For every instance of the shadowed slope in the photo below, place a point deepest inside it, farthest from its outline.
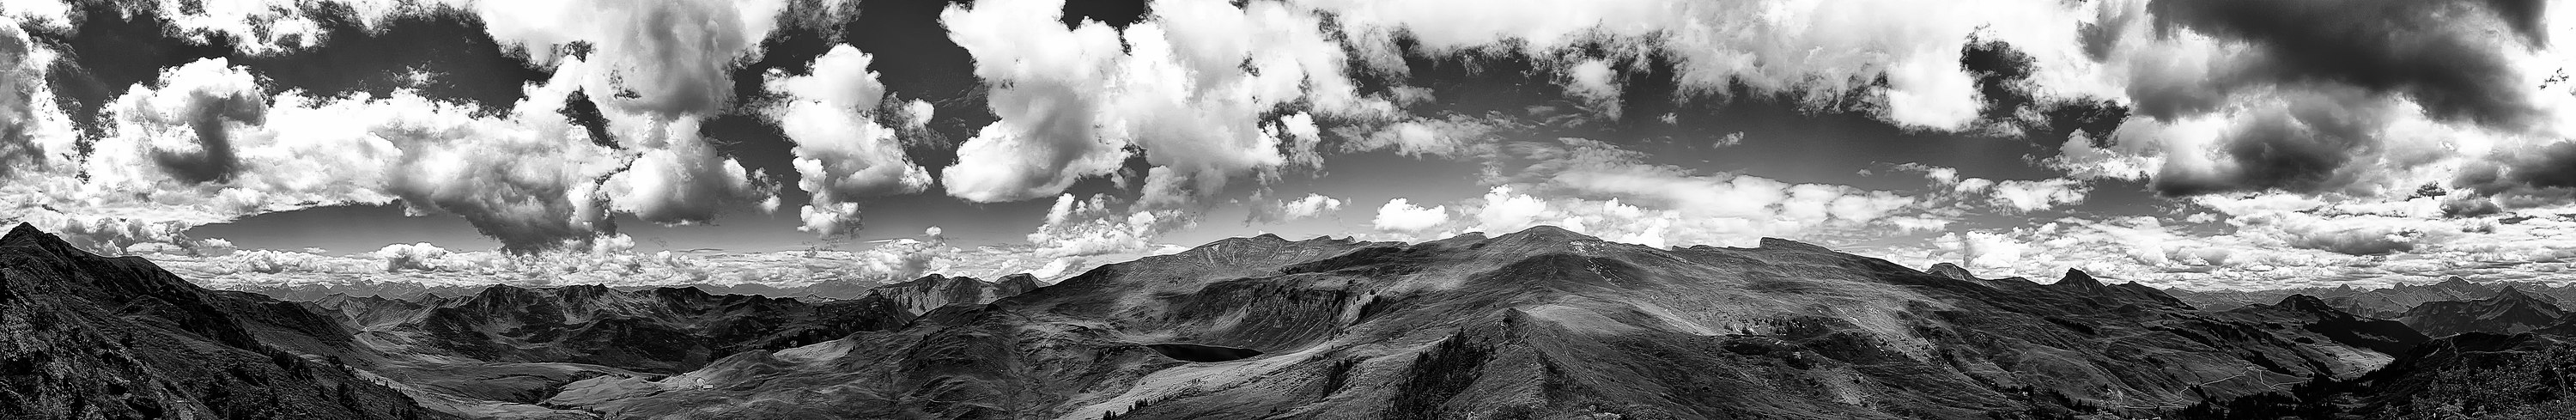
(83, 336)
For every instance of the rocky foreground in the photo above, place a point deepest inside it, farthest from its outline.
(1543, 323)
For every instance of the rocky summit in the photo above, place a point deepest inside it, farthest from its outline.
(1542, 323)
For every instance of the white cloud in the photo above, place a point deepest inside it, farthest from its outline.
(1594, 82)
(1188, 87)
(842, 152)
(419, 256)
(1078, 228)
(1310, 206)
(2026, 196)
(205, 144)
(672, 57)
(1401, 215)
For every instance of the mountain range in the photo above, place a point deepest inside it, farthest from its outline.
(1542, 323)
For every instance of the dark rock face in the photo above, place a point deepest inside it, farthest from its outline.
(1543, 323)
(83, 336)
(2510, 311)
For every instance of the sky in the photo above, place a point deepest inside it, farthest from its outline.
(2206, 144)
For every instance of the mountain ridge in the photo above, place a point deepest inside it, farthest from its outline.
(1542, 323)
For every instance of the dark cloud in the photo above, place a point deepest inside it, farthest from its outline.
(2307, 147)
(2554, 166)
(450, 51)
(2544, 175)
(209, 115)
(2002, 73)
(2014, 109)
(2447, 55)
(1116, 13)
(579, 108)
(526, 215)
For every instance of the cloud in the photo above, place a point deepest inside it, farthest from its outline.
(1191, 89)
(419, 256)
(684, 182)
(2008, 196)
(208, 142)
(2268, 241)
(664, 58)
(2305, 98)
(187, 122)
(33, 134)
(2452, 57)
(531, 181)
(1401, 215)
(1983, 249)
(1903, 60)
(1310, 206)
(1580, 176)
(843, 153)
(1450, 136)
(1090, 227)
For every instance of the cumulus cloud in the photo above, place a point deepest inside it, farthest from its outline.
(1401, 215)
(1189, 89)
(1089, 227)
(2301, 98)
(1310, 206)
(843, 152)
(32, 132)
(669, 58)
(419, 256)
(208, 142)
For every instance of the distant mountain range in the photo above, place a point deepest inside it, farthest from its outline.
(2388, 302)
(1543, 323)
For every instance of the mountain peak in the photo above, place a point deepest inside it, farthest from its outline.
(1952, 271)
(2303, 302)
(27, 234)
(2510, 293)
(2077, 277)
